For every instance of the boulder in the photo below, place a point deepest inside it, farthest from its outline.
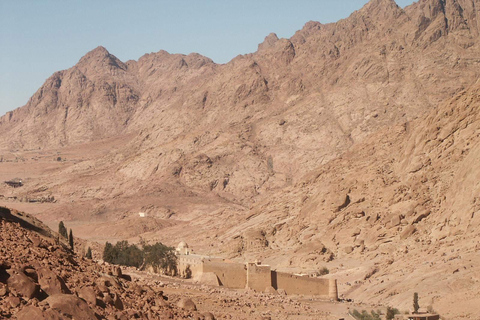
(407, 232)
(22, 285)
(187, 304)
(30, 272)
(208, 316)
(31, 312)
(71, 306)
(50, 282)
(348, 249)
(3, 289)
(13, 301)
(107, 281)
(88, 294)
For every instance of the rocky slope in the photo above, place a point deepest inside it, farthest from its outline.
(41, 279)
(349, 142)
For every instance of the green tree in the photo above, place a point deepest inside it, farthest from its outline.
(391, 312)
(160, 256)
(88, 255)
(416, 306)
(123, 253)
(62, 230)
(70, 239)
(108, 252)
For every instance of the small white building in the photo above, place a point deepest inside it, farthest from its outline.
(183, 249)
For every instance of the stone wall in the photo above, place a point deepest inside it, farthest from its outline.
(189, 266)
(259, 277)
(253, 276)
(293, 284)
(231, 275)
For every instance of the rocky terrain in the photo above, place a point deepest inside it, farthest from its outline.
(40, 278)
(351, 145)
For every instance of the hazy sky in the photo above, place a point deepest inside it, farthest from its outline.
(38, 38)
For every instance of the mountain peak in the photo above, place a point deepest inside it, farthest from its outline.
(100, 57)
(97, 52)
(380, 7)
(269, 41)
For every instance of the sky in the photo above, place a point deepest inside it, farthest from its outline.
(38, 38)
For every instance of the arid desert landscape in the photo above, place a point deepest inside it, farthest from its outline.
(348, 152)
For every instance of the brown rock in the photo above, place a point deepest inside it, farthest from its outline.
(13, 301)
(3, 289)
(30, 272)
(29, 313)
(187, 304)
(107, 281)
(88, 294)
(36, 241)
(395, 221)
(23, 285)
(71, 305)
(108, 299)
(32, 312)
(407, 232)
(161, 303)
(348, 249)
(50, 282)
(208, 316)
(422, 216)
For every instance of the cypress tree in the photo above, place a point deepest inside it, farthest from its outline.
(70, 239)
(416, 306)
(89, 253)
(62, 230)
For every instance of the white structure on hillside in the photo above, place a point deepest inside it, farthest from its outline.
(183, 249)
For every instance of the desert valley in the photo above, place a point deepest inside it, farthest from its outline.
(351, 147)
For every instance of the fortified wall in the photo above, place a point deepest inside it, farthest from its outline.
(217, 271)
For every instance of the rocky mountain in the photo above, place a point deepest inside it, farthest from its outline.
(350, 141)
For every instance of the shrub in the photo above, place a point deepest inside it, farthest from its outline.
(323, 271)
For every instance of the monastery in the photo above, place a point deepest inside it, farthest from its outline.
(222, 272)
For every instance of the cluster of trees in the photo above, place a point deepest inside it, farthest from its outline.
(364, 315)
(158, 256)
(62, 230)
